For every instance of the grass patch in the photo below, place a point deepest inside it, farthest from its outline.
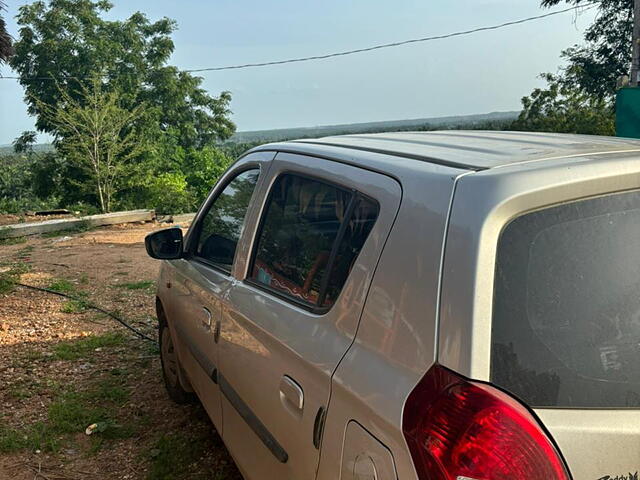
(10, 439)
(71, 413)
(35, 437)
(171, 456)
(13, 240)
(20, 393)
(74, 306)
(86, 346)
(137, 285)
(78, 304)
(7, 282)
(62, 285)
(24, 253)
(11, 275)
(74, 411)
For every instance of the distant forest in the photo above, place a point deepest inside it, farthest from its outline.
(488, 121)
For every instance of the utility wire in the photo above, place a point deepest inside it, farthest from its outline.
(394, 44)
(584, 7)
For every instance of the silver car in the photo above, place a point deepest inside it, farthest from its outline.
(433, 306)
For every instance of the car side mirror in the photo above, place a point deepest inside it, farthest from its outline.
(164, 244)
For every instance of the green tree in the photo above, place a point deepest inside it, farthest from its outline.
(580, 98)
(181, 183)
(5, 39)
(69, 41)
(62, 45)
(95, 134)
(606, 55)
(563, 108)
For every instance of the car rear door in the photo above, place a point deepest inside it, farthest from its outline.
(541, 297)
(293, 311)
(566, 328)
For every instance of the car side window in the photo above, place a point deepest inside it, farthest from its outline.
(220, 228)
(310, 236)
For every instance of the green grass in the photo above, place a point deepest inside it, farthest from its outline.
(24, 253)
(35, 437)
(74, 306)
(72, 412)
(171, 456)
(20, 393)
(10, 439)
(9, 277)
(86, 346)
(79, 304)
(62, 285)
(137, 285)
(13, 240)
(7, 282)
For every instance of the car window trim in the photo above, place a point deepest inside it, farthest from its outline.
(324, 284)
(191, 251)
(288, 298)
(208, 263)
(316, 308)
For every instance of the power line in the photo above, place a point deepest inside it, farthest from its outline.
(584, 7)
(394, 44)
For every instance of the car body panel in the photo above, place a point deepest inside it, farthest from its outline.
(265, 338)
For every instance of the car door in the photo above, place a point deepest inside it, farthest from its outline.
(203, 277)
(294, 309)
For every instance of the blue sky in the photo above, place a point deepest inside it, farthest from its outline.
(481, 73)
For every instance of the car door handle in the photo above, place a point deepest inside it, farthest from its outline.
(291, 392)
(206, 319)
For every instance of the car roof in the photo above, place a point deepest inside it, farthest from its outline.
(475, 150)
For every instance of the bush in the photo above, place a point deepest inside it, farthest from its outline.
(168, 193)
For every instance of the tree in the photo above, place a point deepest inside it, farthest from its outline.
(95, 133)
(68, 41)
(564, 108)
(580, 98)
(63, 44)
(596, 66)
(5, 39)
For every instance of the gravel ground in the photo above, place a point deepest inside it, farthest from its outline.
(64, 367)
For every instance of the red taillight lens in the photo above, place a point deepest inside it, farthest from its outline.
(458, 429)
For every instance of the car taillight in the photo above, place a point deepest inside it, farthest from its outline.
(458, 429)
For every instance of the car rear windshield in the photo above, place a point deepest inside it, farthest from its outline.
(566, 321)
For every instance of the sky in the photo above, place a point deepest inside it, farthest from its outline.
(480, 73)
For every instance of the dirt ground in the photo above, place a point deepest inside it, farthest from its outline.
(64, 367)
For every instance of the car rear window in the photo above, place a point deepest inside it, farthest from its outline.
(566, 321)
